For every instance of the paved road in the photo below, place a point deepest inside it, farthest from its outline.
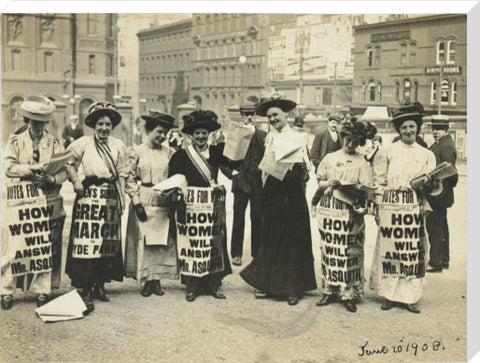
(242, 329)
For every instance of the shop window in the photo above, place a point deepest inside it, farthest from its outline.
(454, 93)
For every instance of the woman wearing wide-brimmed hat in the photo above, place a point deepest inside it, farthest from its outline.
(199, 163)
(283, 267)
(94, 252)
(346, 165)
(150, 253)
(395, 166)
(24, 161)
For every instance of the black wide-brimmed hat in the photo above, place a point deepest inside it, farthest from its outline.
(409, 111)
(37, 108)
(275, 101)
(357, 128)
(204, 119)
(103, 108)
(159, 118)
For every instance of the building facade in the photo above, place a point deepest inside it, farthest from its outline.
(165, 66)
(417, 59)
(229, 63)
(128, 52)
(69, 58)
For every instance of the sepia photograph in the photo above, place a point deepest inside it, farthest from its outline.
(247, 185)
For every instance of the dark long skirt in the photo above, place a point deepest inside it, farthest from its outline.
(284, 263)
(85, 272)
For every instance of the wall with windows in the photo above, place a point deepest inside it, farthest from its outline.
(417, 59)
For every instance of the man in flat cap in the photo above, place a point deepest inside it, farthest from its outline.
(326, 141)
(247, 186)
(437, 224)
(72, 131)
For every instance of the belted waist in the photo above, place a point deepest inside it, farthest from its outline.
(94, 180)
(147, 185)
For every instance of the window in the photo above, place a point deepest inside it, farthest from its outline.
(110, 25)
(406, 90)
(413, 53)
(109, 65)
(47, 61)
(440, 52)
(363, 90)
(371, 90)
(397, 91)
(91, 64)
(451, 51)
(377, 55)
(433, 93)
(415, 91)
(327, 96)
(91, 24)
(445, 90)
(16, 60)
(379, 91)
(403, 53)
(370, 57)
(454, 93)
(123, 62)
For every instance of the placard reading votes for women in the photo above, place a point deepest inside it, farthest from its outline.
(29, 221)
(96, 229)
(341, 241)
(402, 235)
(201, 231)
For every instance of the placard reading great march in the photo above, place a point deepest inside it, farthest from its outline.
(29, 221)
(402, 235)
(96, 224)
(342, 236)
(201, 231)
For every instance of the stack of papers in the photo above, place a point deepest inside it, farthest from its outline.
(69, 306)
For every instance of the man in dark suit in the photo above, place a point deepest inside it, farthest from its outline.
(247, 185)
(436, 223)
(72, 131)
(326, 142)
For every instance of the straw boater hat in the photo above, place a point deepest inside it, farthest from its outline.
(440, 122)
(247, 107)
(275, 101)
(37, 108)
(362, 129)
(335, 117)
(204, 119)
(159, 118)
(99, 109)
(409, 111)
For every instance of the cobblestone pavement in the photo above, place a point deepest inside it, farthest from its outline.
(242, 329)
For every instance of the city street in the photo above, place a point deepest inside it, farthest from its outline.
(243, 329)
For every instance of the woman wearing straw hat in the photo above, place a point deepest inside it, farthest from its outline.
(150, 254)
(344, 165)
(24, 161)
(199, 163)
(94, 251)
(399, 281)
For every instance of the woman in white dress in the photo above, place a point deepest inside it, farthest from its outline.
(344, 165)
(394, 167)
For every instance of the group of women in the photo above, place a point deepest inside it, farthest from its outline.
(284, 265)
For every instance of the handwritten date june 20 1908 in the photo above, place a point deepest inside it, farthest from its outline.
(403, 347)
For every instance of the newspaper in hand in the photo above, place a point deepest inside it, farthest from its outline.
(57, 162)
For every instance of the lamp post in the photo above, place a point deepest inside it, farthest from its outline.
(242, 60)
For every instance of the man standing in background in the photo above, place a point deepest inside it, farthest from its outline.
(247, 186)
(326, 142)
(72, 131)
(437, 224)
